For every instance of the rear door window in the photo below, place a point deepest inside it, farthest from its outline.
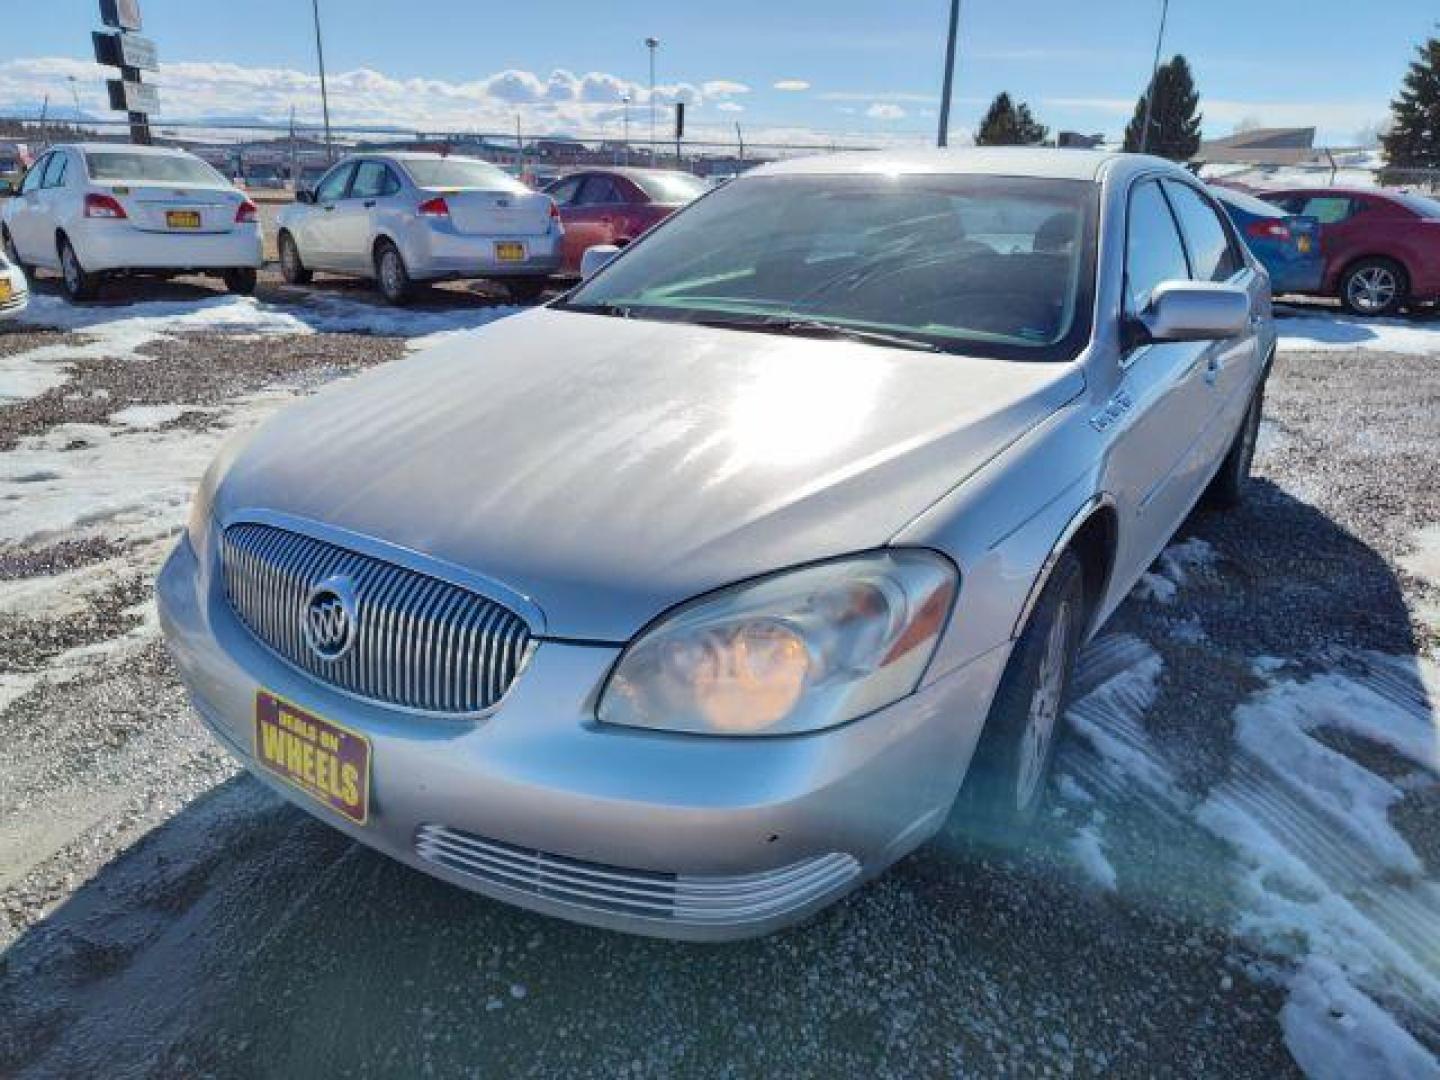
(598, 191)
(1212, 258)
(1328, 209)
(1153, 251)
(564, 191)
(373, 179)
(36, 174)
(55, 171)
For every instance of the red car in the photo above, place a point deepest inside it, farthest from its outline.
(1382, 248)
(614, 206)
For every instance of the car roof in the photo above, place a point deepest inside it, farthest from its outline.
(128, 148)
(1343, 192)
(1046, 162)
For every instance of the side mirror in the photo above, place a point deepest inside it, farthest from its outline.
(1194, 311)
(595, 258)
(305, 195)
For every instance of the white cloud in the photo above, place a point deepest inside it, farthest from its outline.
(791, 84)
(882, 110)
(730, 106)
(720, 88)
(884, 95)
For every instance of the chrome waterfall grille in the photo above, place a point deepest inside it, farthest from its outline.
(411, 640)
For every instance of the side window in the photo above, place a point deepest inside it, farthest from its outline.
(1206, 239)
(55, 173)
(335, 182)
(1153, 252)
(598, 191)
(1329, 209)
(564, 191)
(35, 175)
(370, 180)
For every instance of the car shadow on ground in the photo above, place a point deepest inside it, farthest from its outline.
(243, 937)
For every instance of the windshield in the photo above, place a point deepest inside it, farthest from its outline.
(671, 187)
(984, 265)
(120, 167)
(460, 173)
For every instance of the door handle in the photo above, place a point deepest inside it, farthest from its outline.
(328, 208)
(1212, 369)
(369, 203)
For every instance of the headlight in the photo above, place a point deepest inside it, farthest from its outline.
(800, 651)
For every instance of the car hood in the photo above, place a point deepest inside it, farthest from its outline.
(609, 468)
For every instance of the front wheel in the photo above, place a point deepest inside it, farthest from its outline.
(78, 283)
(241, 280)
(1010, 772)
(391, 274)
(1374, 287)
(11, 251)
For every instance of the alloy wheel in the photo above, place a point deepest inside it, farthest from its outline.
(1372, 289)
(1044, 710)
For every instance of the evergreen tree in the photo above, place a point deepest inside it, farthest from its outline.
(1009, 124)
(1174, 123)
(1413, 141)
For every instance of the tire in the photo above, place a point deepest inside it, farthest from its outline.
(241, 280)
(526, 290)
(78, 283)
(291, 268)
(391, 275)
(1228, 489)
(12, 253)
(1008, 776)
(1374, 287)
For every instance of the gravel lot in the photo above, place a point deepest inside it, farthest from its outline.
(163, 914)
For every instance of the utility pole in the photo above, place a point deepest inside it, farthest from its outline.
(949, 82)
(740, 139)
(652, 44)
(625, 100)
(1154, 70)
(324, 93)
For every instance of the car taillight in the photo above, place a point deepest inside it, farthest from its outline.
(246, 213)
(436, 207)
(103, 206)
(1268, 229)
(554, 210)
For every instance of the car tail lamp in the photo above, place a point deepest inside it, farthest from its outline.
(1268, 229)
(246, 213)
(434, 208)
(103, 206)
(554, 211)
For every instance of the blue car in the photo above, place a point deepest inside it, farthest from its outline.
(1287, 245)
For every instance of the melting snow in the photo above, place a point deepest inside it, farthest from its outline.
(1326, 333)
(1173, 569)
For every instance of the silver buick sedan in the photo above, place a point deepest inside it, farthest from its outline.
(692, 600)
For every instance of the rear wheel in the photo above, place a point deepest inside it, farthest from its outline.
(1374, 286)
(390, 273)
(291, 268)
(1009, 775)
(1231, 483)
(79, 284)
(526, 290)
(241, 280)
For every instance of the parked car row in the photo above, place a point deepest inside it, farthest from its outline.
(1375, 251)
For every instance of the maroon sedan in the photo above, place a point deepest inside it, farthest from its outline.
(614, 206)
(1382, 248)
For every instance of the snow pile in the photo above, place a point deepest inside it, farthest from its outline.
(1332, 333)
(1174, 568)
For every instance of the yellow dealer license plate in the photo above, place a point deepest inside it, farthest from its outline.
(4, 290)
(510, 252)
(1303, 245)
(325, 760)
(182, 219)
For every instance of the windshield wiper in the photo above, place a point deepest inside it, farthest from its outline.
(785, 324)
(618, 311)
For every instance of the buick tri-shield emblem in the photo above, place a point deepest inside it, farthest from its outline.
(330, 627)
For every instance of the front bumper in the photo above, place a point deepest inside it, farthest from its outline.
(538, 805)
(117, 245)
(19, 296)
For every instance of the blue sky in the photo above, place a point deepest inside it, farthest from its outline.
(869, 70)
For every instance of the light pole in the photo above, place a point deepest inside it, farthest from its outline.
(324, 95)
(75, 95)
(652, 44)
(1154, 70)
(625, 101)
(944, 136)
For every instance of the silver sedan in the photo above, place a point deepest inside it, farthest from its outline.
(407, 217)
(689, 602)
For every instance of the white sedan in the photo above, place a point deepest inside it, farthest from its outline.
(13, 292)
(402, 218)
(94, 209)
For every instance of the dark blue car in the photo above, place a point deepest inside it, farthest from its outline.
(1287, 245)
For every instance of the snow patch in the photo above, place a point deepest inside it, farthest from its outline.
(1331, 333)
(1175, 566)
(1424, 558)
(1085, 847)
(146, 416)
